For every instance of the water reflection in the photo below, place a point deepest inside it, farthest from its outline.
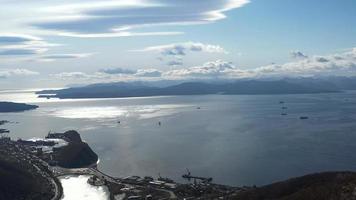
(113, 112)
(30, 96)
(238, 140)
(76, 187)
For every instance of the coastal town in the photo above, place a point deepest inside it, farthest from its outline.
(43, 158)
(21, 158)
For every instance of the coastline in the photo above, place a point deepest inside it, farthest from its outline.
(199, 187)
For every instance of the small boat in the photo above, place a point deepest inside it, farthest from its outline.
(284, 107)
(284, 114)
(198, 108)
(159, 123)
(281, 102)
(303, 117)
(119, 122)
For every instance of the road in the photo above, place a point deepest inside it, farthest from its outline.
(93, 171)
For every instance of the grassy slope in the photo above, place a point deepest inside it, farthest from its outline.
(18, 183)
(320, 186)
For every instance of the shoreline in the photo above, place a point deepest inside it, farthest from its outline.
(165, 188)
(128, 186)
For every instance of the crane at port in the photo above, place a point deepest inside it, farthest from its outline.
(189, 176)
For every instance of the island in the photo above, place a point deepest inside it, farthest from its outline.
(6, 107)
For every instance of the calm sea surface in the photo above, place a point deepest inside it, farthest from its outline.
(237, 140)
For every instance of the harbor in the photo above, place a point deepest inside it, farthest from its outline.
(41, 155)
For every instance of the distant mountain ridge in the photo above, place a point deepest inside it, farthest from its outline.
(250, 87)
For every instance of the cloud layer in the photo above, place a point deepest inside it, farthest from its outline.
(107, 18)
(19, 45)
(14, 45)
(343, 64)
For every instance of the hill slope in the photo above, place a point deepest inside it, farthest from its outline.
(320, 186)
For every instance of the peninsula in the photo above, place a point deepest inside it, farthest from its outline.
(6, 107)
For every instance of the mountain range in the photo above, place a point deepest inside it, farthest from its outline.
(250, 87)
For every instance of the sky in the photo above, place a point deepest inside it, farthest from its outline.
(55, 43)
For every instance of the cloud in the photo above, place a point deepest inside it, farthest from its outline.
(109, 18)
(181, 49)
(74, 76)
(175, 63)
(321, 59)
(148, 73)
(214, 69)
(22, 45)
(107, 75)
(16, 39)
(298, 55)
(6, 73)
(53, 57)
(343, 64)
(178, 50)
(119, 34)
(19, 52)
(118, 71)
